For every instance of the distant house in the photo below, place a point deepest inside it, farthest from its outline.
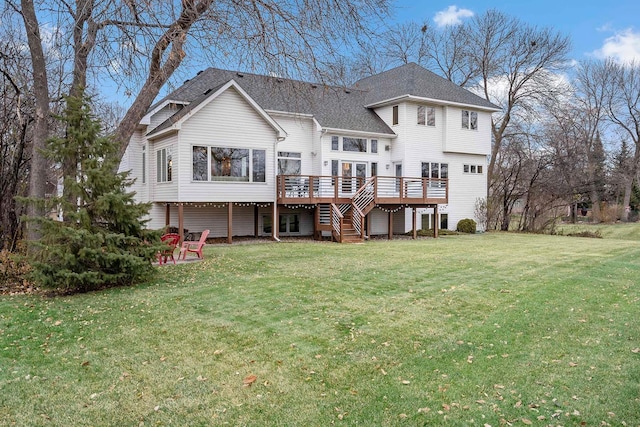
(250, 155)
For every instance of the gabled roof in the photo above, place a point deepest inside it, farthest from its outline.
(415, 82)
(332, 107)
(176, 120)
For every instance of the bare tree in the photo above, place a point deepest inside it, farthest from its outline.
(451, 54)
(517, 63)
(623, 110)
(139, 45)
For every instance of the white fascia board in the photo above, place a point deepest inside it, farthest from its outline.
(430, 101)
(360, 133)
(146, 120)
(290, 114)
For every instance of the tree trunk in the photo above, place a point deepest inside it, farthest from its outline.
(39, 164)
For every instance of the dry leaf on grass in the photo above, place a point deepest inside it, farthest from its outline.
(249, 380)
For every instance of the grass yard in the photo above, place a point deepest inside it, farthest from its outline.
(493, 329)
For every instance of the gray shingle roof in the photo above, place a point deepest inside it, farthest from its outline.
(412, 79)
(333, 107)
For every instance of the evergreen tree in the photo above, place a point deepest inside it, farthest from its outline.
(102, 240)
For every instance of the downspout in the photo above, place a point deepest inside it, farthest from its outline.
(275, 198)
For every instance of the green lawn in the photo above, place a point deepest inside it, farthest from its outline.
(493, 329)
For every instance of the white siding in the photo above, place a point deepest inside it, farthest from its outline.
(162, 115)
(459, 140)
(299, 140)
(382, 157)
(163, 191)
(227, 121)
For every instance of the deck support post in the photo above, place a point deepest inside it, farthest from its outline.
(435, 221)
(229, 223)
(255, 221)
(167, 214)
(317, 234)
(390, 237)
(181, 221)
(274, 222)
(415, 223)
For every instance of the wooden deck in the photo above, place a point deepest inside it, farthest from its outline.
(383, 190)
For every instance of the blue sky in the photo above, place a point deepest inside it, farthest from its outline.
(596, 28)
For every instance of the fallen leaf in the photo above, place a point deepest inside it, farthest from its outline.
(446, 407)
(85, 363)
(636, 350)
(424, 410)
(383, 372)
(58, 323)
(403, 416)
(518, 404)
(406, 382)
(249, 380)
(157, 408)
(470, 359)
(201, 378)
(217, 352)
(526, 421)
(480, 402)
(573, 364)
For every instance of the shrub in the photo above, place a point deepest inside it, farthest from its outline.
(466, 225)
(14, 271)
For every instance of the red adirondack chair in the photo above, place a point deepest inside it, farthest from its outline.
(195, 247)
(171, 240)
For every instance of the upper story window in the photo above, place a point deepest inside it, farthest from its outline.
(228, 164)
(335, 143)
(469, 120)
(395, 115)
(435, 170)
(426, 115)
(164, 165)
(289, 163)
(475, 169)
(354, 144)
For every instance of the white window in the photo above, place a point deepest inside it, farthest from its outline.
(469, 120)
(354, 144)
(289, 163)
(228, 164)
(335, 143)
(426, 115)
(473, 169)
(435, 170)
(374, 146)
(164, 165)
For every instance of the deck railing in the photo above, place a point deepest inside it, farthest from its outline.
(337, 189)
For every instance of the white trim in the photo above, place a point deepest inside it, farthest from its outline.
(348, 132)
(414, 98)
(146, 119)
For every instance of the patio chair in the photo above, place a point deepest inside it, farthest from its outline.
(195, 247)
(171, 240)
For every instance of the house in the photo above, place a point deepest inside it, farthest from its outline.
(243, 154)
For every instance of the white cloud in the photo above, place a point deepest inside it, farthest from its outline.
(452, 15)
(623, 46)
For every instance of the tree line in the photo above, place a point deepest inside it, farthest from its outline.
(567, 135)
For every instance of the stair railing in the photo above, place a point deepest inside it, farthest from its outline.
(337, 222)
